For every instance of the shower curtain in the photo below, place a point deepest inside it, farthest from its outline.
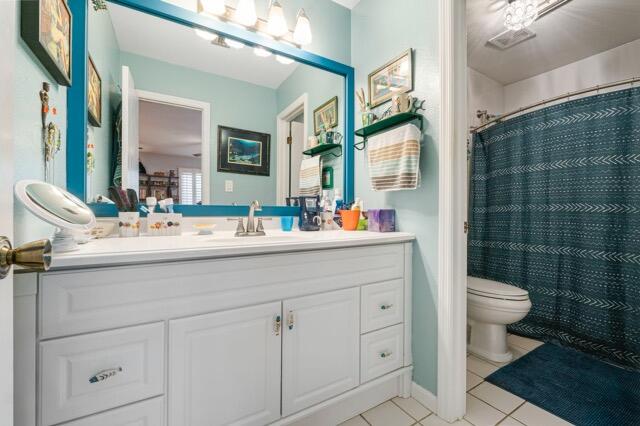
(555, 209)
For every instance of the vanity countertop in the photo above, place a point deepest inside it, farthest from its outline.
(189, 246)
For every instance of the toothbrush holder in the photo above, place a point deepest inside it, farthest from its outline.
(129, 224)
(164, 224)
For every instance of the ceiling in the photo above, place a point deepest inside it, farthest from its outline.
(577, 30)
(349, 4)
(166, 41)
(171, 130)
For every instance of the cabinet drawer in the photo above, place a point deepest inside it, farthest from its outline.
(382, 305)
(381, 352)
(86, 374)
(147, 413)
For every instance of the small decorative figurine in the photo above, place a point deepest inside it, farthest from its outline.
(99, 5)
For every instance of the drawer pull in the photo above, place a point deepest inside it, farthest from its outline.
(386, 354)
(277, 325)
(385, 307)
(104, 375)
(290, 320)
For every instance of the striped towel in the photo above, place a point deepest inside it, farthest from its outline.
(310, 170)
(394, 159)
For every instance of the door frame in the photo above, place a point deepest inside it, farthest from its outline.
(300, 105)
(205, 108)
(452, 211)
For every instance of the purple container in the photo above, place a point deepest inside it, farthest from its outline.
(382, 220)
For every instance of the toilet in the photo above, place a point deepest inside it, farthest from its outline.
(491, 306)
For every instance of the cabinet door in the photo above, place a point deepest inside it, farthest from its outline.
(224, 368)
(320, 348)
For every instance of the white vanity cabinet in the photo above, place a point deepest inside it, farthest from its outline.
(296, 337)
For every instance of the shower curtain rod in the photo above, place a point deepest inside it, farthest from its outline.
(556, 98)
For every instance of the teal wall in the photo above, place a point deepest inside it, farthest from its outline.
(28, 147)
(320, 86)
(234, 103)
(105, 52)
(379, 32)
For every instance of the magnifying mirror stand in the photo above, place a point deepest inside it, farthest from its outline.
(63, 241)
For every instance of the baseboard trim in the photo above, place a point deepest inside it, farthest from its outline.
(424, 397)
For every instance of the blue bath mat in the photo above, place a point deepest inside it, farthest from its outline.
(574, 386)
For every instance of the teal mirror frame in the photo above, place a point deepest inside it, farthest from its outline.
(77, 99)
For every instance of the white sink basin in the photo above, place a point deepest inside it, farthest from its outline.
(265, 239)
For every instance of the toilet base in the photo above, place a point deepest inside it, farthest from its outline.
(489, 341)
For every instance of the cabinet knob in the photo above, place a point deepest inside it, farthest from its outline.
(290, 320)
(384, 307)
(277, 325)
(386, 354)
(104, 375)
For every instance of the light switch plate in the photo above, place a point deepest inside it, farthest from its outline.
(228, 186)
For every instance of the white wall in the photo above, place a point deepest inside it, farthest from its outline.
(620, 63)
(163, 163)
(483, 93)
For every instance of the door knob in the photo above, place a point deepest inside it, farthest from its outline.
(35, 255)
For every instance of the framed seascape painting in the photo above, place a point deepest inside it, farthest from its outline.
(326, 114)
(243, 151)
(94, 94)
(394, 77)
(45, 26)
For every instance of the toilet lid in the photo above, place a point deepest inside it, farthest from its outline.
(494, 289)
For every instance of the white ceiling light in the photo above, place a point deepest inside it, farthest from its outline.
(209, 36)
(212, 7)
(276, 23)
(520, 14)
(246, 13)
(234, 44)
(262, 52)
(302, 33)
(284, 60)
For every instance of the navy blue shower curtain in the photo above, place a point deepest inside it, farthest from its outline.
(555, 209)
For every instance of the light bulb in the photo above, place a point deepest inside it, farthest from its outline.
(213, 7)
(234, 44)
(284, 60)
(277, 24)
(302, 34)
(262, 52)
(520, 14)
(207, 35)
(246, 13)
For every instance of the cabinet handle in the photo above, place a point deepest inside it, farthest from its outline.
(104, 375)
(290, 320)
(386, 354)
(277, 325)
(384, 307)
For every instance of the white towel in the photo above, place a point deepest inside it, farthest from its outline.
(394, 159)
(310, 174)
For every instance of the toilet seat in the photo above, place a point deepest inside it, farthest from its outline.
(495, 290)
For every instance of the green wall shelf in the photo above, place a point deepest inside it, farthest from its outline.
(324, 148)
(384, 125)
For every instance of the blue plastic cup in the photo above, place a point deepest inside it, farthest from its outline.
(286, 222)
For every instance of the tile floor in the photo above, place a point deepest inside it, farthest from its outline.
(487, 405)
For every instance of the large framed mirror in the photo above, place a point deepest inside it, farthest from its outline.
(212, 115)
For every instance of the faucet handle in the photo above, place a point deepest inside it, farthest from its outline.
(259, 227)
(240, 227)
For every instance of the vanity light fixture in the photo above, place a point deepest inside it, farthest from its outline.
(520, 14)
(246, 13)
(276, 22)
(213, 7)
(261, 52)
(302, 33)
(284, 60)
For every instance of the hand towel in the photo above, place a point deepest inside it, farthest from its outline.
(310, 173)
(394, 159)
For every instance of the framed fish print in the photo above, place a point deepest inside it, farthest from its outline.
(326, 114)
(394, 77)
(45, 26)
(94, 94)
(243, 151)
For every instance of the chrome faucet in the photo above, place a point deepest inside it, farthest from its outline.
(251, 225)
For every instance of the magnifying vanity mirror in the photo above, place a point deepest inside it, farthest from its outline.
(185, 113)
(57, 207)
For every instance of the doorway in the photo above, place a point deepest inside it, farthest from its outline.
(292, 125)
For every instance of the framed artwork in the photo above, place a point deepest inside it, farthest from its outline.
(327, 178)
(326, 114)
(394, 77)
(45, 26)
(243, 151)
(94, 94)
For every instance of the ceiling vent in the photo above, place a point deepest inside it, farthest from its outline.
(509, 38)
